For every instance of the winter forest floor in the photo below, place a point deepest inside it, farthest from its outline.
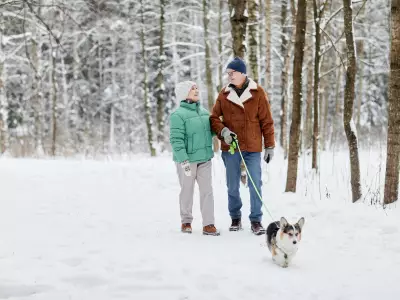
(80, 229)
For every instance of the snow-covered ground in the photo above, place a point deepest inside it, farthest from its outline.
(78, 229)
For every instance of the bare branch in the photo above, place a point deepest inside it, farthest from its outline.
(330, 71)
(333, 16)
(43, 22)
(341, 36)
(333, 45)
(26, 46)
(9, 2)
(341, 8)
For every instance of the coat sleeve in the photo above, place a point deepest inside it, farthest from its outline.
(177, 137)
(216, 124)
(266, 121)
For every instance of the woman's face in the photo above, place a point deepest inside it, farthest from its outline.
(193, 94)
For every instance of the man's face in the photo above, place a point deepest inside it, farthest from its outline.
(235, 77)
(193, 93)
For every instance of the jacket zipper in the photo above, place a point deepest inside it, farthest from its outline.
(201, 120)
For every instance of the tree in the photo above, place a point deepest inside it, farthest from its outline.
(348, 122)
(208, 61)
(253, 36)
(297, 96)
(3, 100)
(318, 14)
(268, 32)
(238, 18)
(147, 105)
(285, 48)
(393, 140)
(160, 91)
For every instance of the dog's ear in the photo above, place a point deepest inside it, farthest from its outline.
(283, 222)
(301, 223)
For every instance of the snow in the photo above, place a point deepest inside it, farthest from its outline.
(80, 229)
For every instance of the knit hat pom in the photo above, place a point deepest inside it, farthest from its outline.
(238, 65)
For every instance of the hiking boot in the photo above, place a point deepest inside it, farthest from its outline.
(236, 225)
(210, 230)
(257, 228)
(186, 227)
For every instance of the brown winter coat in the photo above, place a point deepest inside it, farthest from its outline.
(249, 116)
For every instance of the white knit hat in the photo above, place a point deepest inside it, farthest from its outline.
(182, 90)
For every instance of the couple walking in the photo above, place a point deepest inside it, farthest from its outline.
(241, 110)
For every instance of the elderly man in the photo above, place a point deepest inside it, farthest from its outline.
(242, 111)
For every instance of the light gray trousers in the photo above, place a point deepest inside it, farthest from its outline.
(202, 173)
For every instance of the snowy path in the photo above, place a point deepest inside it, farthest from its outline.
(110, 230)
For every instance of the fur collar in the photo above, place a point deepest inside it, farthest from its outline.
(244, 97)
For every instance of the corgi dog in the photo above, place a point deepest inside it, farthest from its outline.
(283, 240)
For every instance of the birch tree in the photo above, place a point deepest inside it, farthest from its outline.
(348, 122)
(160, 90)
(253, 38)
(147, 105)
(268, 43)
(391, 193)
(318, 14)
(208, 61)
(3, 98)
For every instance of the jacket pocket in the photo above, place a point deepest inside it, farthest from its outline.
(255, 130)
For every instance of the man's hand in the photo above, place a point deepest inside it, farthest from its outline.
(227, 135)
(186, 167)
(268, 154)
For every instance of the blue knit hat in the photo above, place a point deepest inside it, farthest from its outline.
(237, 64)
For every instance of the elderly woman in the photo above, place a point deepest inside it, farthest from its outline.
(191, 141)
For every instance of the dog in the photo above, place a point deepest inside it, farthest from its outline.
(283, 240)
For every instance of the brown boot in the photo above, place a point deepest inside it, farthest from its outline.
(210, 230)
(186, 227)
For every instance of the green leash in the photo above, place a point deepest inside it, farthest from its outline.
(235, 145)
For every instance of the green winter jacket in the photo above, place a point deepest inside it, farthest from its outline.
(190, 133)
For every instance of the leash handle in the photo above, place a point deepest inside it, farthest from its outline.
(234, 144)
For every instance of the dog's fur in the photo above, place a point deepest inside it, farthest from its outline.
(283, 240)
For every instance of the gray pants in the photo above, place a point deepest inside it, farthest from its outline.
(202, 173)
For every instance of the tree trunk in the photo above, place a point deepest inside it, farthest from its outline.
(253, 36)
(261, 31)
(111, 136)
(147, 105)
(297, 96)
(284, 77)
(54, 101)
(309, 110)
(3, 101)
(36, 86)
(238, 19)
(268, 31)
(318, 13)
(160, 90)
(335, 129)
(208, 61)
(307, 140)
(360, 55)
(220, 44)
(348, 122)
(391, 193)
